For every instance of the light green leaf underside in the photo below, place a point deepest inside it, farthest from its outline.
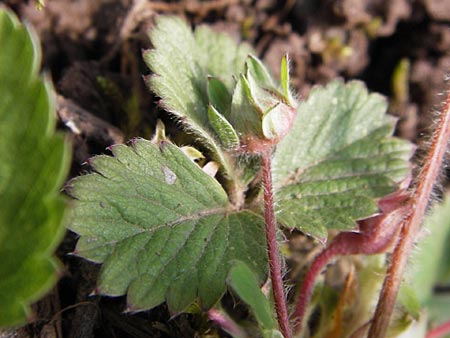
(161, 227)
(431, 259)
(337, 160)
(244, 282)
(33, 165)
(182, 61)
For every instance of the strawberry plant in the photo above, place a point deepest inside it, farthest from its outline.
(181, 223)
(34, 164)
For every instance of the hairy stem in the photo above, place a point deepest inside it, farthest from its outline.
(376, 236)
(411, 225)
(272, 247)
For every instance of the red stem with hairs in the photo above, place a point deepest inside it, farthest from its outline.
(410, 227)
(272, 248)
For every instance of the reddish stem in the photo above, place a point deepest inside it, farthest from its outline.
(376, 236)
(440, 331)
(411, 226)
(272, 248)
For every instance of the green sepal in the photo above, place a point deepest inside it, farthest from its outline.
(219, 96)
(223, 129)
(277, 122)
(284, 80)
(259, 72)
(244, 115)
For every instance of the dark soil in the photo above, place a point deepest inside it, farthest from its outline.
(92, 50)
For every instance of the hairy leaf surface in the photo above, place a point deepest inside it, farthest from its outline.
(33, 166)
(182, 61)
(162, 228)
(337, 160)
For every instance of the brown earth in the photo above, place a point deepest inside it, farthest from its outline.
(92, 49)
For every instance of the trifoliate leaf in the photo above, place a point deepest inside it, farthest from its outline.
(244, 282)
(337, 160)
(162, 228)
(33, 166)
(182, 62)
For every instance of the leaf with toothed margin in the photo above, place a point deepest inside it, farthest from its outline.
(33, 165)
(163, 229)
(181, 62)
(338, 159)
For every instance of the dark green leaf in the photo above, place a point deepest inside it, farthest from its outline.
(162, 228)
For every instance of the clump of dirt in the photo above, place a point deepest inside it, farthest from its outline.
(92, 49)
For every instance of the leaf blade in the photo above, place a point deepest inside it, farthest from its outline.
(33, 166)
(182, 61)
(344, 158)
(171, 240)
(243, 282)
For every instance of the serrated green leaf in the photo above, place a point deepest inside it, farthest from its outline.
(244, 282)
(222, 57)
(162, 227)
(337, 160)
(223, 128)
(182, 62)
(33, 166)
